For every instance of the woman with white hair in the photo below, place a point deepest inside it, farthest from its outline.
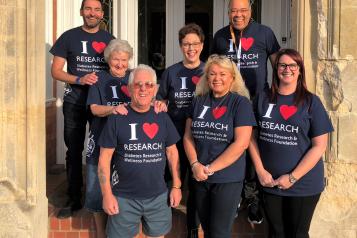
(217, 133)
(105, 98)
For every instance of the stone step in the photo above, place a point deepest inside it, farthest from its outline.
(81, 225)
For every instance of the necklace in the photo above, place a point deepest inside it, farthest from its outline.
(220, 99)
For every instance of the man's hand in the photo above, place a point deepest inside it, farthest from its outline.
(121, 109)
(110, 204)
(175, 197)
(88, 79)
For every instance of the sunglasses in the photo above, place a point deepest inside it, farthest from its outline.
(139, 85)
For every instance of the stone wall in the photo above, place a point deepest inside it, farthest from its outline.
(23, 202)
(327, 37)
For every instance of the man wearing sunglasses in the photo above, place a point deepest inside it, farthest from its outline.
(249, 44)
(134, 150)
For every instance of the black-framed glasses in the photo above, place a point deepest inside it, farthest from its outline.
(292, 67)
(148, 84)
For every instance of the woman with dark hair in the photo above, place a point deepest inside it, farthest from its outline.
(177, 88)
(291, 138)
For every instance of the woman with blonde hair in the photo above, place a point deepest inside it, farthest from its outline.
(217, 133)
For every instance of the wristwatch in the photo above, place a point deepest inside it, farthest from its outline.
(292, 179)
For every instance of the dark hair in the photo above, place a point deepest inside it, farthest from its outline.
(83, 1)
(302, 94)
(191, 28)
(251, 2)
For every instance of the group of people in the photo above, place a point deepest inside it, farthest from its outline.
(218, 123)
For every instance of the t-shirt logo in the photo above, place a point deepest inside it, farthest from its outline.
(287, 111)
(150, 129)
(195, 79)
(219, 112)
(125, 90)
(98, 46)
(247, 43)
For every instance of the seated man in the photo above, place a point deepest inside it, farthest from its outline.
(133, 184)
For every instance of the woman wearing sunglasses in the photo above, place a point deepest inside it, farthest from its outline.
(291, 138)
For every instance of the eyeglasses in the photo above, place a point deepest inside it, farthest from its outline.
(139, 85)
(242, 11)
(292, 67)
(194, 45)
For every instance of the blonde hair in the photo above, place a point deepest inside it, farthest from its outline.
(238, 85)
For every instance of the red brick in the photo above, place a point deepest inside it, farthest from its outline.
(86, 222)
(87, 234)
(73, 234)
(65, 224)
(58, 234)
(54, 223)
(50, 234)
(76, 223)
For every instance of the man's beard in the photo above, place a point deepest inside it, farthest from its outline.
(91, 25)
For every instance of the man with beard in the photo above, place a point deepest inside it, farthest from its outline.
(82, 48)
(249, 44)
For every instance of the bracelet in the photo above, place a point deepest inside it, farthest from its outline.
(193, 164)
(209, 172)
(177, 187)
(78, 80)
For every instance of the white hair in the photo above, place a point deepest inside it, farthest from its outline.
(142, 67)
(117, 45)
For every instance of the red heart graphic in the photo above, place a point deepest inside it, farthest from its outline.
(287, 111)
(247, 43)
(125, 90)
(150, 129)
(219, 111)
(98, 46)
(195, 79)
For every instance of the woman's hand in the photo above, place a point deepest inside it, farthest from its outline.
(110, 204)
(265, 178)
(198, 171)
(160, 106)
(283, 182)
(120, 109)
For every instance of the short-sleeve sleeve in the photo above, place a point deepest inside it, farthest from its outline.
(94, 95)
(108, 138)
(320, 121)
(60, 46)
(272, 43)
(244, 115)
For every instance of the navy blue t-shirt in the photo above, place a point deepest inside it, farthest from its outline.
(284, 137)
(140, 141)
(258, 42)
(108, 91)
(178, 85)
(84, 54)
(212, 128)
